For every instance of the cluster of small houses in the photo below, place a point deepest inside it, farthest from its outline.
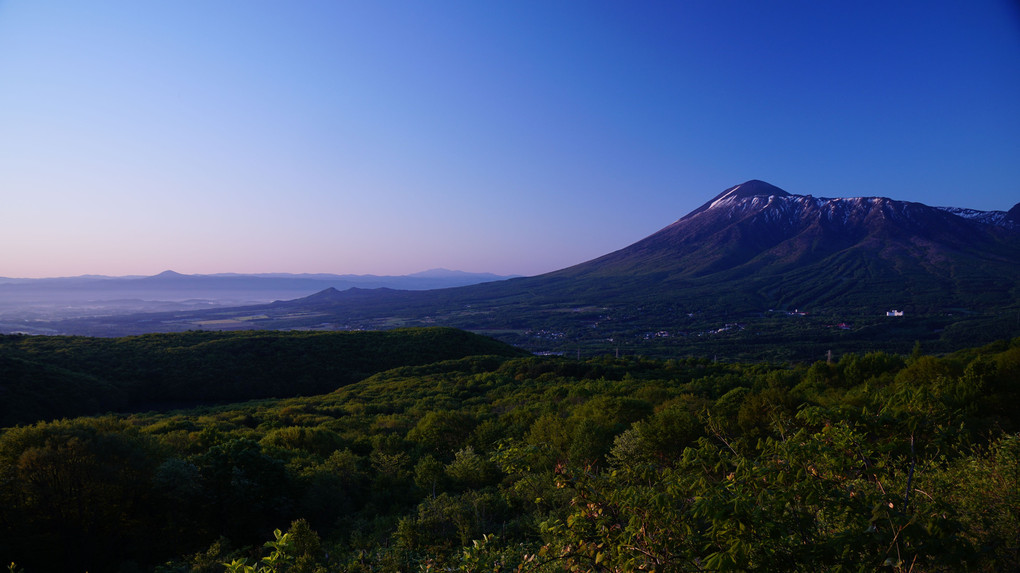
(666, 334)
(794, 312)
(546, 334)
(798, 312)
(553, 335)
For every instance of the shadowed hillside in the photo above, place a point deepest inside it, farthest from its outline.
(43, 377)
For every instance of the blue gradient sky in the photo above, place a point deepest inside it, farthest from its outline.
(509, 137)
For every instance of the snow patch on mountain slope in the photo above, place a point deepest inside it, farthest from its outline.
(772, 207)
(987, 217)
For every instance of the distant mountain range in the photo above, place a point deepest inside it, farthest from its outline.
(34, 300)
(752, 252)
(179, 286)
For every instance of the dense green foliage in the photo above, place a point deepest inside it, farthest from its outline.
(490, 463)
(46, 377)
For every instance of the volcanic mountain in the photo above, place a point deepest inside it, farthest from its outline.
(751, 249)
(757, 246)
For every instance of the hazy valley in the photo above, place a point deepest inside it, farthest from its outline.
(28, 305)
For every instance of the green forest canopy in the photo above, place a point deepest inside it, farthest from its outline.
(502, 463)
